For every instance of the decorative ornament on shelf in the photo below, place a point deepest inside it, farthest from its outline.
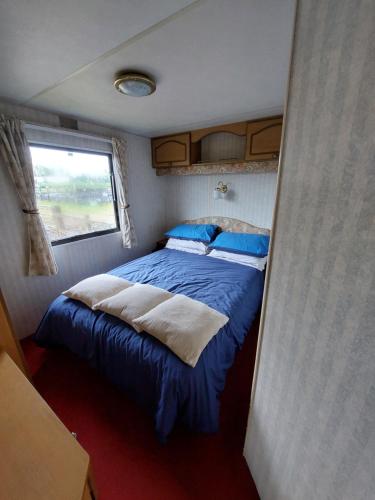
(221, 190)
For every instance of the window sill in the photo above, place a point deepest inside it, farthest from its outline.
(84, 236)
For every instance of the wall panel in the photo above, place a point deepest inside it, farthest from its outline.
(311, 430)
(251, 197)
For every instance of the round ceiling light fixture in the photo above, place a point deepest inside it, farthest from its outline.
(134, 84)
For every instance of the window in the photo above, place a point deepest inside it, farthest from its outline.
(75, 192)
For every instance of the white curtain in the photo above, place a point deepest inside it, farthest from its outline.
(129, 239)
(15, 153)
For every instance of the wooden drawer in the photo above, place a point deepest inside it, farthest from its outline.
(171, 151)
(263, 139)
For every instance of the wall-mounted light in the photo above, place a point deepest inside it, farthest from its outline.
(221, 190)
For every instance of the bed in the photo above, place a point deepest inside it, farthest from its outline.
(145, 368)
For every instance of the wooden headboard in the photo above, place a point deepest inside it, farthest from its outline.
(230, 225)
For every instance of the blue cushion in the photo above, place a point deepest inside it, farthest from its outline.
(247, 244)
(197, 232)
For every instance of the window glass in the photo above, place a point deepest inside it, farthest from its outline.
(74, 191)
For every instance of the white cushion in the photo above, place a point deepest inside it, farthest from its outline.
(246, 260)
(184, 325)
(92, 290)
(133, 302)
(190, 246)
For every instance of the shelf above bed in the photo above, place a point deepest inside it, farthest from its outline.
(222, 167)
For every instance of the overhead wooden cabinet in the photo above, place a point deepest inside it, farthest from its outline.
(263, 139)
(224, 146)
(171, 151)
(231, 128)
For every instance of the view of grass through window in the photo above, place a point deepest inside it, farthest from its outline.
(74, 191)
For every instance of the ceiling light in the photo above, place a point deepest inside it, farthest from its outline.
(134, 84)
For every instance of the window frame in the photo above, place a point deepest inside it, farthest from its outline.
(85, 236)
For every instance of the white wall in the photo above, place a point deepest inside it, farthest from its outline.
(251, 197)
(28, 297)
(311, 431)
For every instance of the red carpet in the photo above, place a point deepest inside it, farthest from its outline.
(127, 460)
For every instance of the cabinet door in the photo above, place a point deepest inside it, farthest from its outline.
(263, 139)
(171, 151)
(40, 459)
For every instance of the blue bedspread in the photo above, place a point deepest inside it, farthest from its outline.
(141, 365)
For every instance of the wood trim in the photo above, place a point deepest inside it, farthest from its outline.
(274, 224)
(166, 136)
(238, 128)
(8, 341)
(273, 117)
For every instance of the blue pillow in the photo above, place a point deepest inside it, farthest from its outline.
(197, 232)
(247, 244)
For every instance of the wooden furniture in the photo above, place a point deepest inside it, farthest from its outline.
(241, 146)
(230, 128)
(171, 151)
(39, 458)
(8, 341)
(263, 139)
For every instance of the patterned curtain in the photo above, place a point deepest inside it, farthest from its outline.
(129, 239)
(15, 152)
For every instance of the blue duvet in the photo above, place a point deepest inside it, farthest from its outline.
(147, 370)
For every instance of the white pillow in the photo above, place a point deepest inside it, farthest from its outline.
(246, 260)
(184, 325)
(133, 302)
(92, 290)
(191, 246)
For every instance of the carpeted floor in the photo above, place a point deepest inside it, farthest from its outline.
(127, 460)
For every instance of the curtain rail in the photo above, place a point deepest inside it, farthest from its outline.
(60, 130)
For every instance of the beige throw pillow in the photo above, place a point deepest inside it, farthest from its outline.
(184, 325)
(133, 302)
(92, 290)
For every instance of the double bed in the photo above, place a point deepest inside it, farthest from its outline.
(138, 363)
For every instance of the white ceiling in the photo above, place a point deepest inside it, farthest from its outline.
(213, 60)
